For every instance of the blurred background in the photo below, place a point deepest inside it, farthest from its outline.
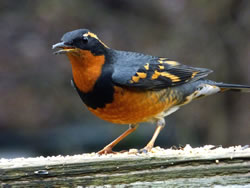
(41, 114)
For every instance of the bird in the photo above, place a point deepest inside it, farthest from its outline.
(130, 88)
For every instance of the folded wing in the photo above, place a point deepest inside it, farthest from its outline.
(155, 73)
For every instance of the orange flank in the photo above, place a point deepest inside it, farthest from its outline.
(86, 69)
(133, 106)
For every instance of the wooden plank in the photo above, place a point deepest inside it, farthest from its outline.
(195, 167)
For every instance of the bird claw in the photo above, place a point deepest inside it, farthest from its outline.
(105, 151)
(123, 151)
(145, 150)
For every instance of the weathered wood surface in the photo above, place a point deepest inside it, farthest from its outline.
(194, 167)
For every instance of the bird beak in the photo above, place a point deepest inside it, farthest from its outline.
(64, 48)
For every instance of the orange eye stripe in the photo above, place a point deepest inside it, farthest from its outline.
(89, 34)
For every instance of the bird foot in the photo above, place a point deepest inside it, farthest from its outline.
(146, 149)
(106, 150)
(123, 151)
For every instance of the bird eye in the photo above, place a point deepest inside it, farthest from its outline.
(85, 39)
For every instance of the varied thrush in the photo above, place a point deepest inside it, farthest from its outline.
(130, 88)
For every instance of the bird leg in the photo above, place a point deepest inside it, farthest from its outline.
(108, 149)
(159, 126)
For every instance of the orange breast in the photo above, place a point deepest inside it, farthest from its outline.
(86, 69)
(132, 106)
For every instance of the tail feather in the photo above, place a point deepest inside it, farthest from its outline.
(202, 88)
(233, 87)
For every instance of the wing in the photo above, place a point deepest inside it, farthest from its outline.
(155, 73)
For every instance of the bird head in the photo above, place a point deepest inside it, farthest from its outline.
(81, 39)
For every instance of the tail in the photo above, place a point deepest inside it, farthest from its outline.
(232, 87)
(202, 88)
